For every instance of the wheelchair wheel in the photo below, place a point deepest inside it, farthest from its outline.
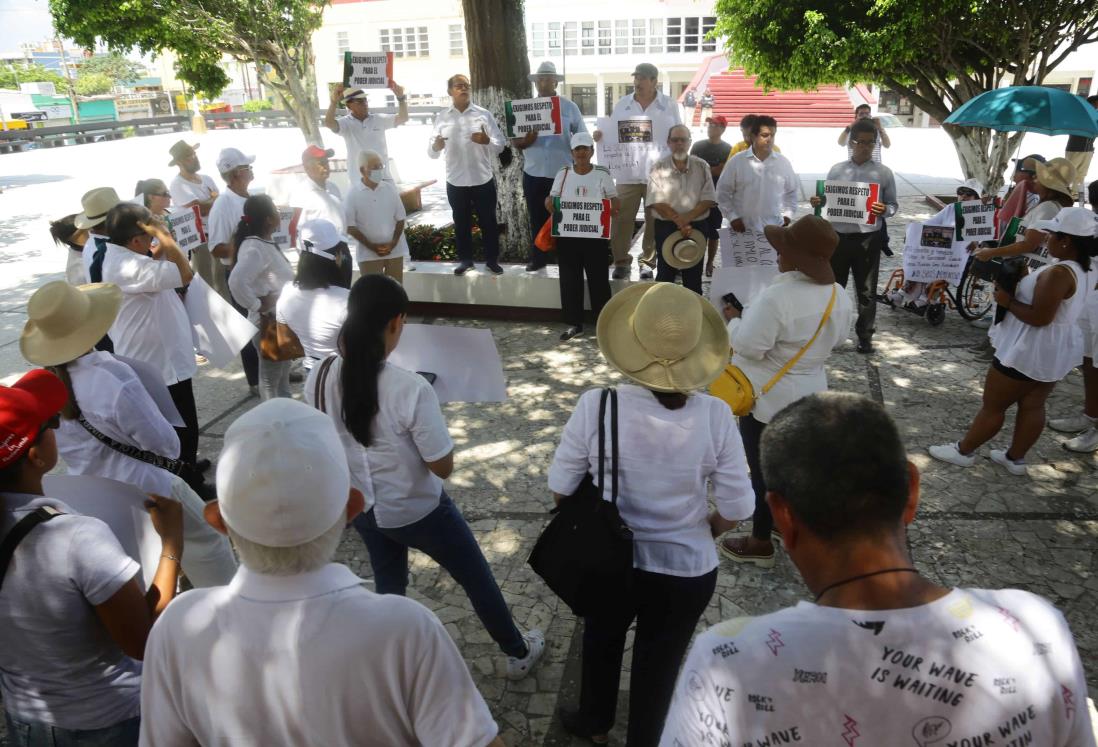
(935, 314)
(975, 296)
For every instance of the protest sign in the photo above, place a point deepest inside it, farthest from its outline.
(748, 264)
(627, 148)
(930, 253)
(367, 69)
(974, 221)
(541, 115)
(465, 361)
(282, 235)
(585, 219)
(186, 228)
(219, 330)
(848, 202)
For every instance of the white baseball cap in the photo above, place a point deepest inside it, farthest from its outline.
(282, 478)
(582, 138)
(973, 184)
(230, 158)
(1076, 221)
(318, 236)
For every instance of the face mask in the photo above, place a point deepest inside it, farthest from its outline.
(376, 175)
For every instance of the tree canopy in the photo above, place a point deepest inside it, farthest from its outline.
(93, 84)
(937, 53)
(11, 76)
(117, 68)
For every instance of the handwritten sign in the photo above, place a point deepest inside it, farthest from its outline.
(186, 228)
(367, 69)
(848, 202)
(541, 115)
(628, 148)
(931, 253)
(282, 235)
(974, 221)
(748, 264)
(586, 219)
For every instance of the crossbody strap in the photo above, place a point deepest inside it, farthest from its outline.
(614, 446)
(793, 361)
(602, 438)
(320, 395)
(21, 529)
(174, 466)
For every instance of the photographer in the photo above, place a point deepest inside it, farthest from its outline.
(1036, 344)
(863, 111)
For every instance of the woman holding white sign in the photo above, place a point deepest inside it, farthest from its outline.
(577, 255)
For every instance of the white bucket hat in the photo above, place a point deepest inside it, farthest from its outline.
(664, 337)
(545, 68)
(683, 252)
(65, 321)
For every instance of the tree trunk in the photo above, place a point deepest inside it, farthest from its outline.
(972, 143)
(296, 85)
(495, 33)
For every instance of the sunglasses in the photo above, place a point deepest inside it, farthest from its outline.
(160, 194)
(679, 140)
(863, 142)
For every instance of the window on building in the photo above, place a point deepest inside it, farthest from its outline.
(639, 36)
(570, 38)
(554, 38)
(621, 37)
(655, 35)
(343, 41)
(587, 37)
(408, 41)
(674, 34)
(708, 24)
(690, 34)
(457, 40)
(537, 39)
(605, 32)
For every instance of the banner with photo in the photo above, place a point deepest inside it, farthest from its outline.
(627, 148)
(931, 253)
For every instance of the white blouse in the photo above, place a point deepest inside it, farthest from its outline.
(261, 270)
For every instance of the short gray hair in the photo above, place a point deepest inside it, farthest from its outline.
(289, 561)
(365, 156)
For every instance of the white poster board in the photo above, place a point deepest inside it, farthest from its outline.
(848, 202)
(748, 264)
(219, 329)
(120, 506)
(974, 220)
(367, 69)
(627, 148)
(464, 360)
(186, 228)
(931, 253)
(281, 237)
(540, 115)
(584, 219)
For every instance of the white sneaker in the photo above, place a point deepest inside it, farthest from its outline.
(999, 456)
(1085, 442)
(519, 668)
(950, 453)
(1074, 424)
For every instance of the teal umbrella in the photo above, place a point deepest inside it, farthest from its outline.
(1048, 111)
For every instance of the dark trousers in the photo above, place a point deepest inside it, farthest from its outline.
(443, 535)
(249, 358)
(665, 273)
(464, 201)
(667, 609)
(575, 257)
(182, 394)
(536, 189)
(751, 431)
(860, 254)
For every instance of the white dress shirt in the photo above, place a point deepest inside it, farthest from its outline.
(261, 270)
(152, 324)
(774, 326)
(375, 211)
(666, 459)
(758, 192)
(309, 659)
(184, 190)
(663, 112)
(365, 134)
(318, 203)
(223, 219)
(468, 164)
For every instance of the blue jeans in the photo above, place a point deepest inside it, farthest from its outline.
(122, 734)
(464, 201)
(446, 538)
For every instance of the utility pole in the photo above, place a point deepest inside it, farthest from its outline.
(68, 78)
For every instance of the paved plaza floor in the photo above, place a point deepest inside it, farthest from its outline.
(979, 527)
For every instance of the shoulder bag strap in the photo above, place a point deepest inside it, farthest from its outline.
(614, 446)
(793, 361)
(175, 466)
(602, 438)
(21, 529)
(320, 396)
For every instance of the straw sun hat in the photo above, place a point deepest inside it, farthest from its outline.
(683, 252)
(664, 337)
(1057, 175)
(65, 321)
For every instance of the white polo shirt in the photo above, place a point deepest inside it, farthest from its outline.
(316, 316)
(365, 134)
(663, 112)
(311, 659)
(318, 203)
(223, 219)
(152, 324)
(375, 212)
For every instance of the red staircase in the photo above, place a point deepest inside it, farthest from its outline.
(735, 95)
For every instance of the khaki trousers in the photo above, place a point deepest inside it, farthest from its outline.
(393, 267)
(1081, 162)
(621, 231)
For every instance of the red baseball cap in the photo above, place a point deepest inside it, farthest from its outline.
(315, 151)
(717, 120)
(24, 407)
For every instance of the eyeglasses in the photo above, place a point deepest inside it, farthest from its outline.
(863, 142)
(461, 86)
(160, 194)
(678, 140)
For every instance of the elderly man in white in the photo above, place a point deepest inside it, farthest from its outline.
(296, 650)
(375, 218)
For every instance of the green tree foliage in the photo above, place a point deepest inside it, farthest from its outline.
(116, 67)
(937, 53)
(11, 76)
(93, 84)
(274, 33)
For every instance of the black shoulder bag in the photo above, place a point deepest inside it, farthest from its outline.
(585, 554)
(21, 529)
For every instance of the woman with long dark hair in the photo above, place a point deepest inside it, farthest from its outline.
(256, 280)
(399, 452)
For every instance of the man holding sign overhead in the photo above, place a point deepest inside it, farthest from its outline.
(858, 224)
(361, 130)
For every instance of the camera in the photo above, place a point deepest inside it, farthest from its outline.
(1003, 271)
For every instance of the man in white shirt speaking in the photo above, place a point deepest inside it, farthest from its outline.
(883, 656)
(470, 137)
(758, 186)
(295, 650)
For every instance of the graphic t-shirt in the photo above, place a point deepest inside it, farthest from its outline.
(975, 667)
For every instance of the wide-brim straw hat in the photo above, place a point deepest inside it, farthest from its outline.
(96, 203)
(683, 252)
(65, 321)
(545, 69)
(1057, 175)
(664, 337)
(808, 244)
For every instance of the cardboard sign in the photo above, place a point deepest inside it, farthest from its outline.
(186, 228)
(367, 69)
(974, 221)
(931, 253)
(748, 264)
(541, 115)
(282, 235)
(848, 202)
(218, 329)
(585, 219)
(627, 148)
